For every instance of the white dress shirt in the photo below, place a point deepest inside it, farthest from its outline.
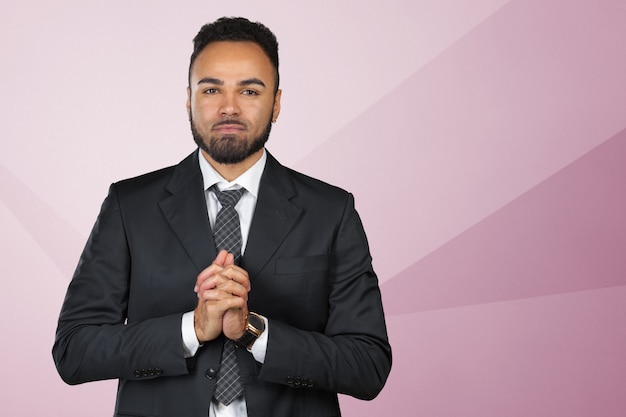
(249, 180)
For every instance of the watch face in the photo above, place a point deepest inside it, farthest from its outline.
(256, 322)
(255, 327)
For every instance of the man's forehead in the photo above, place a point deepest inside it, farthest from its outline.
(239, 61)
(232, 50)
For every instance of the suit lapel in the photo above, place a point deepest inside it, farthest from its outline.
(186, 212)
(274, 216)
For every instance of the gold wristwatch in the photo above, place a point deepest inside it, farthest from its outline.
(255, 326)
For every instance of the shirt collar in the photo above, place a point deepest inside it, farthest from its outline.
(249, 180)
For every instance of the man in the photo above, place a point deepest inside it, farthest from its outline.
(161, 298)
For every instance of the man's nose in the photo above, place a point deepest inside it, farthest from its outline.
(230, 105)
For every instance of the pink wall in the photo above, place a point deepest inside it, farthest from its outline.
(499, 127)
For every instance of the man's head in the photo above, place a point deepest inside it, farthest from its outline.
(233, 94)
(237, 29)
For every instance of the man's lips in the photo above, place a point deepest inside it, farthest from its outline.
(229, 127)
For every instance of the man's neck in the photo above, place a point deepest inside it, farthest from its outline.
(230, 172)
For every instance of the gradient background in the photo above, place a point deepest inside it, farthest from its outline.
(493, 131)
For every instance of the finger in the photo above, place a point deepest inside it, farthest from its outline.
(221, 258)
(216, 280)
(207, 273)
(219, 301)
(225, 289)
(237, 274)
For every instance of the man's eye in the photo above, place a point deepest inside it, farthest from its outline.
(250, 92)
(210, 91)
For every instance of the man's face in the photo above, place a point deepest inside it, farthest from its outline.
(231, 100)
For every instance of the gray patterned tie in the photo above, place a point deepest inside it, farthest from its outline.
(227, 235)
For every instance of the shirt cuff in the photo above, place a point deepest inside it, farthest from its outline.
(190, 340)
(259, 348)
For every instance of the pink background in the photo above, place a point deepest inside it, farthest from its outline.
(494, 132)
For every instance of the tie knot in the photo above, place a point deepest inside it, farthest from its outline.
(228, 197)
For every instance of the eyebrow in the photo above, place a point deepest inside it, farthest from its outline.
(242, 83)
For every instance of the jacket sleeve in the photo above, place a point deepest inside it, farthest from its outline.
(94, 339)
(352, 355)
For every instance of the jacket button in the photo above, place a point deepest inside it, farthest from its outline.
(211, 373)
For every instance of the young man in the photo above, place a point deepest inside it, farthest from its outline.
(273, 318)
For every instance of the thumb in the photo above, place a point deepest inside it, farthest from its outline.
(221, 258)
(230, 259)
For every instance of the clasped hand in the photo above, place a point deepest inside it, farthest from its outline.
(222, 290)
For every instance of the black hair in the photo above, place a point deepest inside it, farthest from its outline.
(237, 29)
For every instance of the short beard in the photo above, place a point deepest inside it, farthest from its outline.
(227, 149)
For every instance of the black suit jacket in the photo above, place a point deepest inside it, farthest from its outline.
(311, 276)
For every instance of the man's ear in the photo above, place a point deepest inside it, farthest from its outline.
(188, 105)
(276, 109)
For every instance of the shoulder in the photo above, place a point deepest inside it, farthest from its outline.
(150, 179)
(325, 202)
(302, 186)
(306, 184)
(162, 181)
